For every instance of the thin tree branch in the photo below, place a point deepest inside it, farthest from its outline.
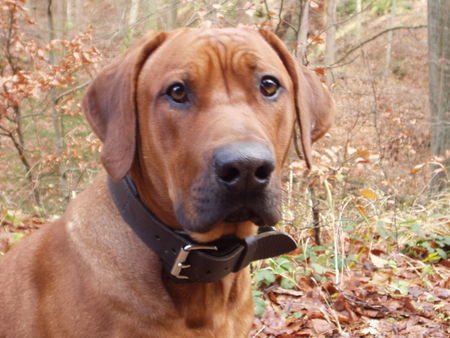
(279, 17)
(351, 17)
(70, 91)
(5, 130)
(315, 214)
(9, 56)
(291, 26)
(373, 38)
(344, 21)
(267, 9)
(341, 64)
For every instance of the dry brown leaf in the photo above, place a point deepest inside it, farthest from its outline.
(361, 210)
(417, 168)
(321, 326)
(290, 292)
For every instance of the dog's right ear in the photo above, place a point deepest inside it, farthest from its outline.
(110, 105)
(314, 105)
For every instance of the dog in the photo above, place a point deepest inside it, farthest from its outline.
(195, 126)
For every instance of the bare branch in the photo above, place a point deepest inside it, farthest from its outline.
(7, 131)
(351, 17)
(342, 64)
(9, 56)
(373, 38)
(279, 17)
(346, 19)
(267, 9)
(70, 91)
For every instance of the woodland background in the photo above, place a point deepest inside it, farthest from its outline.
(372, 217)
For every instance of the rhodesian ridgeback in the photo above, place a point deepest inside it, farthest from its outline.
(195, 126)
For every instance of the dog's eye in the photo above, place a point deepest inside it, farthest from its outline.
(177, 92)
(269, 86)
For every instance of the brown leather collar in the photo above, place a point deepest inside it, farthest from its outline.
(184, 259)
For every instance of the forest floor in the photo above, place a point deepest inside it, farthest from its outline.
(388, 283)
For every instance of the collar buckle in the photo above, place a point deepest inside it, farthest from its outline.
(179, 263)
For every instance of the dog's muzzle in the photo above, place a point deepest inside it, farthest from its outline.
(237, 186)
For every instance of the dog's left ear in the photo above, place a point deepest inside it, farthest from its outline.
(110, 105)
(313, 102)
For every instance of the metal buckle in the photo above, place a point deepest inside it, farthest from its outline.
(182, 256)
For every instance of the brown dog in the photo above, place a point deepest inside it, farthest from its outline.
(201, 120)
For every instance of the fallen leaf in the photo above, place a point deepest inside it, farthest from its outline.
(361, 210)
(378, 261)
(367, 193)
(321, 326)
(291, 292)
(320, 71)
(417, 168)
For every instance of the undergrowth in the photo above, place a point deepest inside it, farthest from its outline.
(390, 250)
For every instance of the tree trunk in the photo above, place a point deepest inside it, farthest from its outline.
(151, 10)
(56, 118)
(439, 79)
(173, 14)
(121, 10)
(387, 56)
(69, 14)
(330, 46)
(79, 14)
(132, 16)
(358, 19)
(302, 37)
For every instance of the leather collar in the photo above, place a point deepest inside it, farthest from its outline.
(184, 259)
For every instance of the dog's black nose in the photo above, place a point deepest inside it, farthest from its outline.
(243, 166)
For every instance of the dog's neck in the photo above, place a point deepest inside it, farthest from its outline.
(183, 258)
(113, 252)
(156, 197)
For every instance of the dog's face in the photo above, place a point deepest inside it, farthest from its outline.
(214, 111)
(217, 118)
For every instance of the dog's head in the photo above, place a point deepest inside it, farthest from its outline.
(202, 119)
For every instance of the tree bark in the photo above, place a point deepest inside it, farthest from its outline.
(150, 7)
(132, 16)
(439, 80)
(387, 56)
(358, 19)
(79, 14)
(56, 118)
(303, 33)
(173, 14)
(69, 14)
(330, 46)
(121, 10)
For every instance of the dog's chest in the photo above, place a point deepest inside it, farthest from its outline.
(222, 309)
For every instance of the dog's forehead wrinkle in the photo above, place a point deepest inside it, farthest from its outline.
(226, 51)
(225, 34)
(220, 60)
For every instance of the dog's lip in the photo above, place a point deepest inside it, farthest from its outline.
(243, 214)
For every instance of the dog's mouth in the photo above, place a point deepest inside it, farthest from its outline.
(242, 215)
(202, 214)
